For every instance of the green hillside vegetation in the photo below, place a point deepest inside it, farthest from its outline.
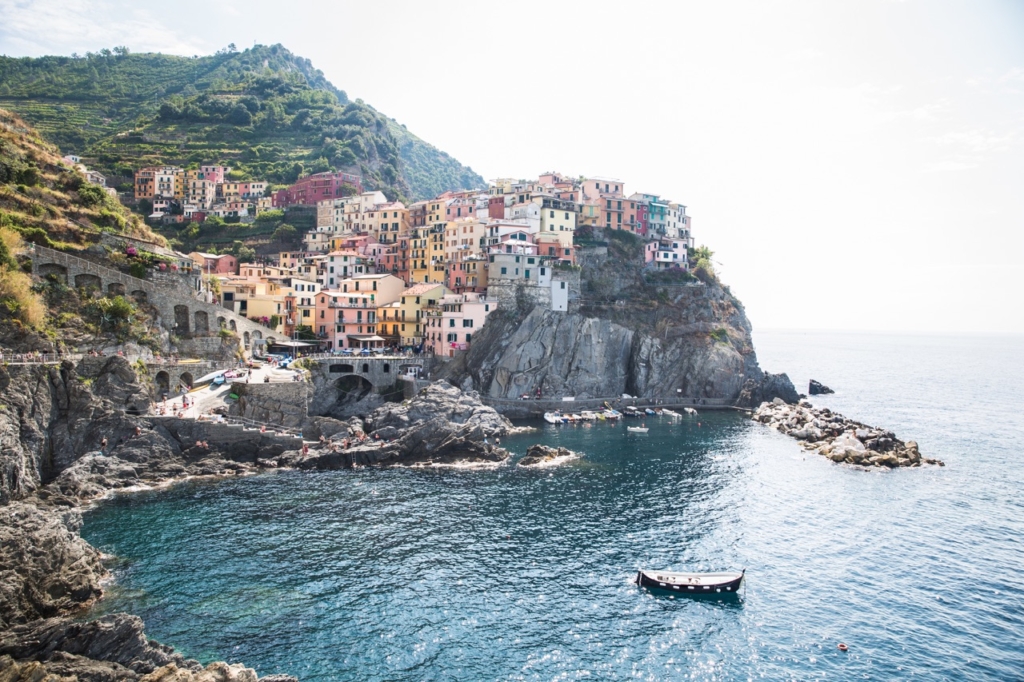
(264, 111)
(44, 201)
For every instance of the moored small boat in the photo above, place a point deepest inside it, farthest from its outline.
(648, 410)
(553, 417)
(690, 411)
(637, 429)
(670, 413)
(691, 583)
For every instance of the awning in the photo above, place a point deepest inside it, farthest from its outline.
(365, 337)
(293, 344)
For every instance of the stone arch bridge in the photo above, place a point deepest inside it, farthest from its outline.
(182, 315)
(334, 376)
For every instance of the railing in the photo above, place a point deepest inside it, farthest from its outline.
(37, 358)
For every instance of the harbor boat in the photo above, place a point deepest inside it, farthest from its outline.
(218, 380)
(690, 411)
(553, 417)
(631, 411)
(588, 415)
(691, 583)
(637, 429)
(670, 413)
(612, 414)
(648, 410)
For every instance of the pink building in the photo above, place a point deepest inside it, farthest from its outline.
(318, 187)
(214, 264)
(346, 320)
(214, 174)
(451, 325)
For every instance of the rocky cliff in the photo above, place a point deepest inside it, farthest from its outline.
(623, 334)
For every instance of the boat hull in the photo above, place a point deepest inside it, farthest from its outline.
(692, 584)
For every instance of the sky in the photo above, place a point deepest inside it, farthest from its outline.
(853, 165)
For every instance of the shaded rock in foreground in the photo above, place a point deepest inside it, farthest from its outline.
(46, 568)
(838, 438)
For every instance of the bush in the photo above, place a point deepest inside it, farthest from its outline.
(137, 270)
(18, 298)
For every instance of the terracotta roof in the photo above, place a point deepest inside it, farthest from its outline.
(422, 288)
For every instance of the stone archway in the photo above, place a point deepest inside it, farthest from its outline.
(163, 383)
(186, 379)
(232, 325)
(115, 289)
(54, 271)
(140, 296)
(221, 322)
(181, 319)
(86, 280)
(352, 388)
(245, 340)
(202, 322)
(257, 334)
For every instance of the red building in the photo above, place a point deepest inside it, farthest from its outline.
(313, 188)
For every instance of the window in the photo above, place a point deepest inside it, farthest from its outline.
(552, 214)
(527, 274)
(468, 337)
(504, 271)
(451, 322)
(467, 323)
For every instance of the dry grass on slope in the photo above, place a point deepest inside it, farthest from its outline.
(48, 201)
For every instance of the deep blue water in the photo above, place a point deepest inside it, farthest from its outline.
(511, 574)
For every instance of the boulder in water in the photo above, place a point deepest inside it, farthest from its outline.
(818, 388)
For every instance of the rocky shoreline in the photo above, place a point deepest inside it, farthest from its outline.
(839, 438)
(51, 465)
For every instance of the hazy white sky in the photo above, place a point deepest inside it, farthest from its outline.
(854, 165)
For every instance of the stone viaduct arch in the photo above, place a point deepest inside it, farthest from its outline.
(179, 311)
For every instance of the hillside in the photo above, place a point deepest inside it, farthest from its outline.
(265, 111)
(45, 201)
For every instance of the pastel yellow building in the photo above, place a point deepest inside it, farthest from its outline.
(410, 311)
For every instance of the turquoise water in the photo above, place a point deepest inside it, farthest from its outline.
(526, 574)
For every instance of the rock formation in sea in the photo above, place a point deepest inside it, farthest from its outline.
(540, 455)
(818, 388)
(839, 438)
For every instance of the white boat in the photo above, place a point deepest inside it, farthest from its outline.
(637, 429)
(588, 415)
(553, 418)
(690, 411)
(691, 583)
(670, 413)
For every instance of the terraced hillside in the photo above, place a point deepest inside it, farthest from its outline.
(266, 112)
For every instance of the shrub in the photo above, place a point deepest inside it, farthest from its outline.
(137, 270)
(18, 298)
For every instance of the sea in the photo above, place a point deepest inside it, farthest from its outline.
(510, 573)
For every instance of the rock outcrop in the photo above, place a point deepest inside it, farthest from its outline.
(542, 455)
(441, 425)
(657, 343)
(46, 569)
(110, 648)
(838, 438)
(818, 388)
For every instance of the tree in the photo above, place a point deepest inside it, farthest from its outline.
(285, 232)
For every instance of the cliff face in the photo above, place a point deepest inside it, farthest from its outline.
(622, 335)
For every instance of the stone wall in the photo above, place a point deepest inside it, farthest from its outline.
(234, 440)
(512, 294)
(181, 314)
(273, 403)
